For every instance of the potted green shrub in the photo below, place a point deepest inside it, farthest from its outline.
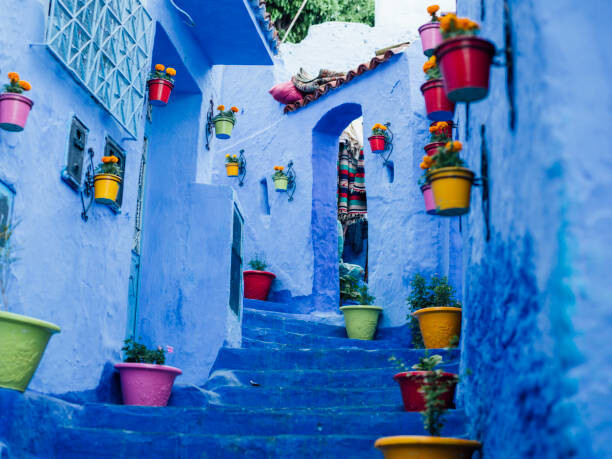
(145, 380)
(257, 281)
(23, 339)
(435, 386)
(281, 180)
(224, 122)
(360, 318)
(437, 311)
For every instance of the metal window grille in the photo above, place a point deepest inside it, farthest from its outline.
(106, 46)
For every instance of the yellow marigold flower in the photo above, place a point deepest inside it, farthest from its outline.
(221, 108)
(432, 9)
(472, 25)
(433, 129)
(25, 85)
(432, 59)
(13, 76)
(446, 21)
(423, 166)
(234, 109)
(442, 124)
(426, 66)
(462, 23)
(159, 67)
(448, 146)
(227, 156)
(457, 146)
(383, 127)
(170, 71)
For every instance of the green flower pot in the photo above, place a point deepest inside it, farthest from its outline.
(223, 127)
(361, 320)
(280, 184)
(22, 343)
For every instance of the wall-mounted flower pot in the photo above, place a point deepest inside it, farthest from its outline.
(430, 37)
(428, 197)
(377, 143)
(223, 126)
(439, 325)
(146, 384)
(448, 130)
(438, 106)
(465, 63)
(14, 111)
(432, 148)
(361, 321)
(425, 447)
(232, 169)
(106, 188)
(257, 284)
(280, 183)
(23, 341)
(411, 382)
(159, 91)
(451, 188)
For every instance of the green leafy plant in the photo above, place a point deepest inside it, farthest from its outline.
(380, 129)
(431, 69)
(7, 259)
(447, 156)
(15, 85)
(258, 263)
(278, 173)
(109, 165)
(160, 72)
(223, 113)
(352, 290)
(139, 353)
(426, 363)
(434, 386)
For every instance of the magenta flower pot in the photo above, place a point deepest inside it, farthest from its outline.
(430, 37)
(14, 111)
(146, 384)
(430, 202)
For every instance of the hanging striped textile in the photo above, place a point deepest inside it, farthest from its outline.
(352, 203)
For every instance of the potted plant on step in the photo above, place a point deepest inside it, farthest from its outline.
(360, 319)
(232, 165)
(281, 180)
(438, 136)
(435, 386)
(160, 84)
(107, 180)
(379, 138)
(257, 281)
(23, 339)
(411, 382)
(430, 32)
(224, 122)
(438, 313)
(450, 181)
(438, 106)
(464, 59)
(14, 106)
(145, 380)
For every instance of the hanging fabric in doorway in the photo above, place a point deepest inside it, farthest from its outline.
(352, 204)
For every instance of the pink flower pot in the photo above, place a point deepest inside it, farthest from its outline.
(438, 106)
(430, 37)
(430, 202)
(146, 384)
(14, 111)
(159, 91)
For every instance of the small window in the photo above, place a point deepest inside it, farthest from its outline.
(113, 149)
(236, 264)
(263, 196)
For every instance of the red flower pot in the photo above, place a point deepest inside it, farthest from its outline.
(257, 284)
(377, 143)
(410, 384)
(439, 108)
(465, 63)
(432, 148)
(447, 130)
(159, 91)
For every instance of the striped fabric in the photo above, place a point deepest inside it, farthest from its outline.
(352, 205)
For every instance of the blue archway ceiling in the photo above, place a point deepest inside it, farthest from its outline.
(228, 31)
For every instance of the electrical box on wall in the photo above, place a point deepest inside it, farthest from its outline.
(72, 173)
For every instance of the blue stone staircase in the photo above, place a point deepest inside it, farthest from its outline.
(298, 388)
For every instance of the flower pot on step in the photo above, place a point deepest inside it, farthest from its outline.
(438, 106)
(377, 143)
(430, 202)
(23, 341)
(451, 188)
(159, 91)
(410, 383)
(257, 284)
(281, 183)
(106, 188)
(440, 325)
(232, 169)
(361, 321)
(465, 64)
(14, 111)
(223, 126)
(146, 384)
(425, 447)
(430, 37)
(432, 148)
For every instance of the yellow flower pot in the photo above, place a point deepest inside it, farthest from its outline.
(424, 447)
(451, 187)
(106, 188)
(232, 169)
(439, 325)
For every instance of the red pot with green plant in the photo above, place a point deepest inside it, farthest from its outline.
(257, 281)
(437, 137)
(14, 106)
(464, 59)
(379, 138)
(160, 84)
(438, 106)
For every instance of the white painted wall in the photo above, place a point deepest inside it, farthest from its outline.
(408, 14)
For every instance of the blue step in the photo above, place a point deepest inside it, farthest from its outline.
(267, 305)
(296, 323)
(271, 338)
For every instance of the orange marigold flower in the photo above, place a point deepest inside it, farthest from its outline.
(234, 109)
(383, 127)
(114, 159)
(457, 146)
(280, 168)
(446, 21)
(432, 9)
(472, 25)
(442, 124)
(170, 71)
(106, 159)
(159, 67)
(462, 23)
(13, 76)
(432, 59)
(433, 129)
(423, 166)
(448, 146)
(25, 85)
(221, 108)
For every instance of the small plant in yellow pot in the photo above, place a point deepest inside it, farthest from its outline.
(23, 339)
(437, 311)
(450, 181)
(232, 165)
(360, 316)
(435, 385)
(281, 180)
(107, 180)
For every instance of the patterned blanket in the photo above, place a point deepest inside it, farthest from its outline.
(352, 203)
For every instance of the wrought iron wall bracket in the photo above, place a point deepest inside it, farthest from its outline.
(87, 189)
(502, 57)
(291, 181)
(209, 124)
(241, 168)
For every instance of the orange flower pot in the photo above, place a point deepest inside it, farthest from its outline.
(439, 325)
(424, 447)
(232, 169)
